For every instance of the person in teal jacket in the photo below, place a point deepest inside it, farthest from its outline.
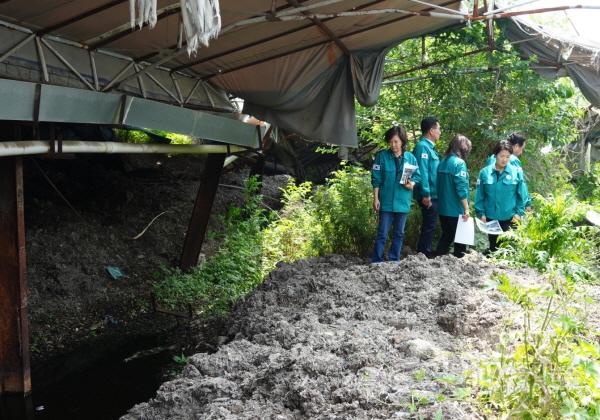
(501, 191)
(391, 198)
(426, 192)
(453, 193)
(517, 141)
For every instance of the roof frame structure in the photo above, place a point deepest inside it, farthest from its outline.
(164, 72)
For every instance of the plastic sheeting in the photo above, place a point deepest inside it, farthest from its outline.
(567, 59)
(323, 108)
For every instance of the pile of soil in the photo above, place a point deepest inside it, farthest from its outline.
(81, 217)
(336, 337)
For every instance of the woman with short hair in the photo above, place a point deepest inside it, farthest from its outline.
(501, 191)
(517, 142)
(453, 193)
(391, 198)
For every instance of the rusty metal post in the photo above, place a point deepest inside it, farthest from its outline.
(15, 375)
(199, 220)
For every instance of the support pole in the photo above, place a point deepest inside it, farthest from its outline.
(194, 237)
(15, 375)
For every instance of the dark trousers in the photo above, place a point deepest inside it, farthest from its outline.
(505, 225)
(448, 225)
(429, 219)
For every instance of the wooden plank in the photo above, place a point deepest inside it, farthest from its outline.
(194, 237)
(15, 376)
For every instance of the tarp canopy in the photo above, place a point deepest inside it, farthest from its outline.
(559, 57)
(297, 64)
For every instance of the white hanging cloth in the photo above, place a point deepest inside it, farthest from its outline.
(201, 22)
(201, 19)
(146, 13)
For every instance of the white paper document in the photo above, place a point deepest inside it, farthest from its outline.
(407, 172)
(490, 228)
(465, 231)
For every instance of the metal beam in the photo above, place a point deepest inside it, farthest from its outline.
(495, 15)
(14, 49)
(261, 41)
(194, 237)
(67, 64)
(15, 376)
(79, 17)
(126, 29)
(316, 44)
(269, 17)
(324, 28)
(435, 63)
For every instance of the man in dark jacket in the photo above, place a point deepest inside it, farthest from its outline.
(425, 192)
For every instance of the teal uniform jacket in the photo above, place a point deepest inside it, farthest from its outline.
(452, 186)
(386, 174)
(516, 162)
(428, 161)
(500, 195)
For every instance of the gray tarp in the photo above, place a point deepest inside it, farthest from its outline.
(324, 108)
(576, 61)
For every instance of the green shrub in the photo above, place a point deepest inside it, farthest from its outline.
(231, 273)
(554, 238)
(550, 367)
(293, 234)
(343, 208)
(588, 186)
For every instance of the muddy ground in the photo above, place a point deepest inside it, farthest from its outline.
(106, 201)
(337, 337)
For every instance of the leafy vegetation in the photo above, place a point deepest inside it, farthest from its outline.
(144, 137)
(332, 218)
(588, 186)
(231, 273)
(553, 239)
(549, 367)
(343, 209)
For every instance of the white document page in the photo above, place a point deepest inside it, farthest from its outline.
(490, 228)
(407, 172)
(465, 231)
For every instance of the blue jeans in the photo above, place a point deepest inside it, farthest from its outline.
(388, 219)
(429, 216)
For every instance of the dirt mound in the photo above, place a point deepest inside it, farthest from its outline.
(337, 338)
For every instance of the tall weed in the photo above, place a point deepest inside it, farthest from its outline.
(293, 233)
(235, 270)
(343, 209)
(588, 186)
(554, 239)
(549, 367)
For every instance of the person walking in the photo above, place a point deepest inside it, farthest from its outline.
(453, 193)
(426, 192)
(501, 192)
(391, 198)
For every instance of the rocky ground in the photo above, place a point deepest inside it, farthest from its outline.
(338, 338)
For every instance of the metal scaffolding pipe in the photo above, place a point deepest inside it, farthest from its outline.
(36, 147)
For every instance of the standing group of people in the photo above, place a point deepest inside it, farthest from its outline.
(441, 189)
